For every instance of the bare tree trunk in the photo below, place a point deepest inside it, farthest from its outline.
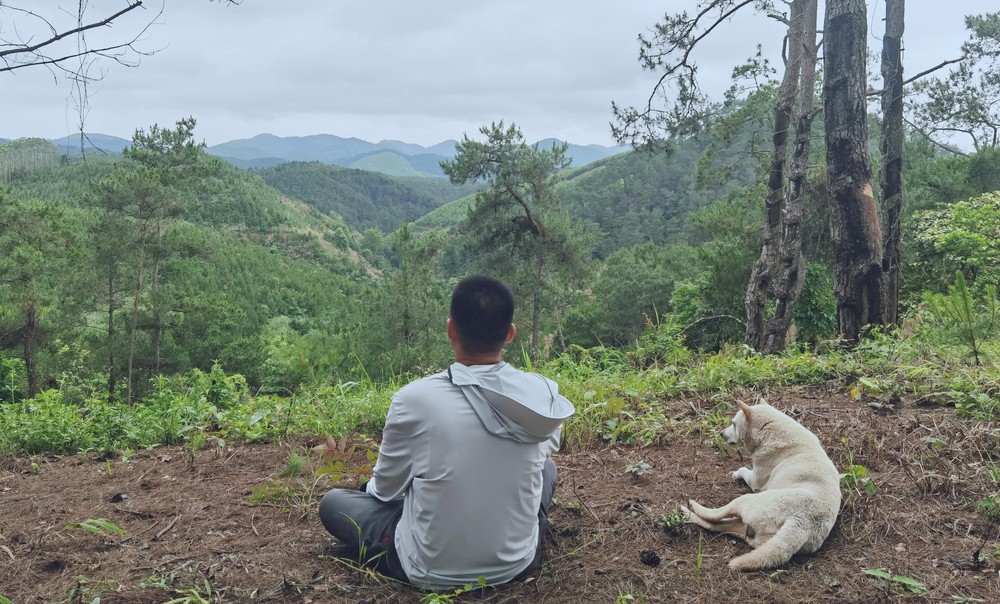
(157, 316)
(536, 306)
(761, 278)
(112, 377)
(855, 228)
(891, 167)
(29, 340)
(791, 267)
(154, 297)
(130, 378)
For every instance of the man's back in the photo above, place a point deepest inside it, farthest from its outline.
(464, 478)
(472, 493)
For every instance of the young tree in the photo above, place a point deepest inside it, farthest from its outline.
(171, 157)
(37, 251)
(143, 195)
(401, 328)
(516, 222)
(128, 200)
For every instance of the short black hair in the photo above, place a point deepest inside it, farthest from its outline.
(482, 308)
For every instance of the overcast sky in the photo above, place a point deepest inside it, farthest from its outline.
(421, 71)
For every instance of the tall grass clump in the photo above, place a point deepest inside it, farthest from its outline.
(189, 408)
(624, 396)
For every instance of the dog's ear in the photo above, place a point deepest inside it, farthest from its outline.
(745, 408)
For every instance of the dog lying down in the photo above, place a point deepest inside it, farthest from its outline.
(797, 490)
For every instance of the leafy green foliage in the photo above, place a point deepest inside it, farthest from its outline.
(399, 327)
(710, 305)
(816, 310)
(856, 477)
(189, 407)
(96, 525)
(632, 287)
(962, 237)
(445, 597)
(903, 582)
(963, 319)
(638, 468)
(619, 397)
(200, 594)
(989, 509)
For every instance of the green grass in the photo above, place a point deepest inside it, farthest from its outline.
(619, 395)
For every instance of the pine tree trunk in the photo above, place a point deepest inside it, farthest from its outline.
(790, 272)
(855, 227)
(759, 288)
(112, 377)
(29, 340)
(130, 378)
(157, 316)
(891, 144)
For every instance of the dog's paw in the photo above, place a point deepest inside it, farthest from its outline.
(745, 474)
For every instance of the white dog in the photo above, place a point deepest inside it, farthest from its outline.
(797, 490)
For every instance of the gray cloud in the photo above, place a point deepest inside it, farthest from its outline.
(417, 71)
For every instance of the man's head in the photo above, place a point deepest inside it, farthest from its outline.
(481, 312)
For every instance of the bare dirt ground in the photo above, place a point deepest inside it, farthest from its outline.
(222, 521)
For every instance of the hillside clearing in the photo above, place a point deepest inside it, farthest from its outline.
(222, 525)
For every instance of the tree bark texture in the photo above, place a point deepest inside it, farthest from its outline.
(855, 227)
(891, 145)
(791, 267)
(779, 271)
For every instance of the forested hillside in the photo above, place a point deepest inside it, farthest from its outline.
(133, 267)
(364, 199)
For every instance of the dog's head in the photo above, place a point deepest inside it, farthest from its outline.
(747, 421)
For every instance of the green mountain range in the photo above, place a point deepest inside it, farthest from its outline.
(392, 157)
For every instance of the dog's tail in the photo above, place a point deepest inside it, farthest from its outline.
(776, 551)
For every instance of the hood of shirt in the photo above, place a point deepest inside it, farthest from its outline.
(510, 403)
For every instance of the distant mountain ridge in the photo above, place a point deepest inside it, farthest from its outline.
(392, 157)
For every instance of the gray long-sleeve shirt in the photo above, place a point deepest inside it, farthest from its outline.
(464, 450)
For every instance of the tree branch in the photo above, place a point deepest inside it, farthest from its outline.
(922, 74)
(59, 36)
(694, 42)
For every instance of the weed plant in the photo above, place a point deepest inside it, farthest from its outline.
(620, 395)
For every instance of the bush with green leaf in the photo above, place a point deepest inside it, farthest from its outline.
(960, 236)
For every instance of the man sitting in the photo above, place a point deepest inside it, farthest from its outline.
(464, 478)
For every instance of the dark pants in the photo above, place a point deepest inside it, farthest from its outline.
(368, 526)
